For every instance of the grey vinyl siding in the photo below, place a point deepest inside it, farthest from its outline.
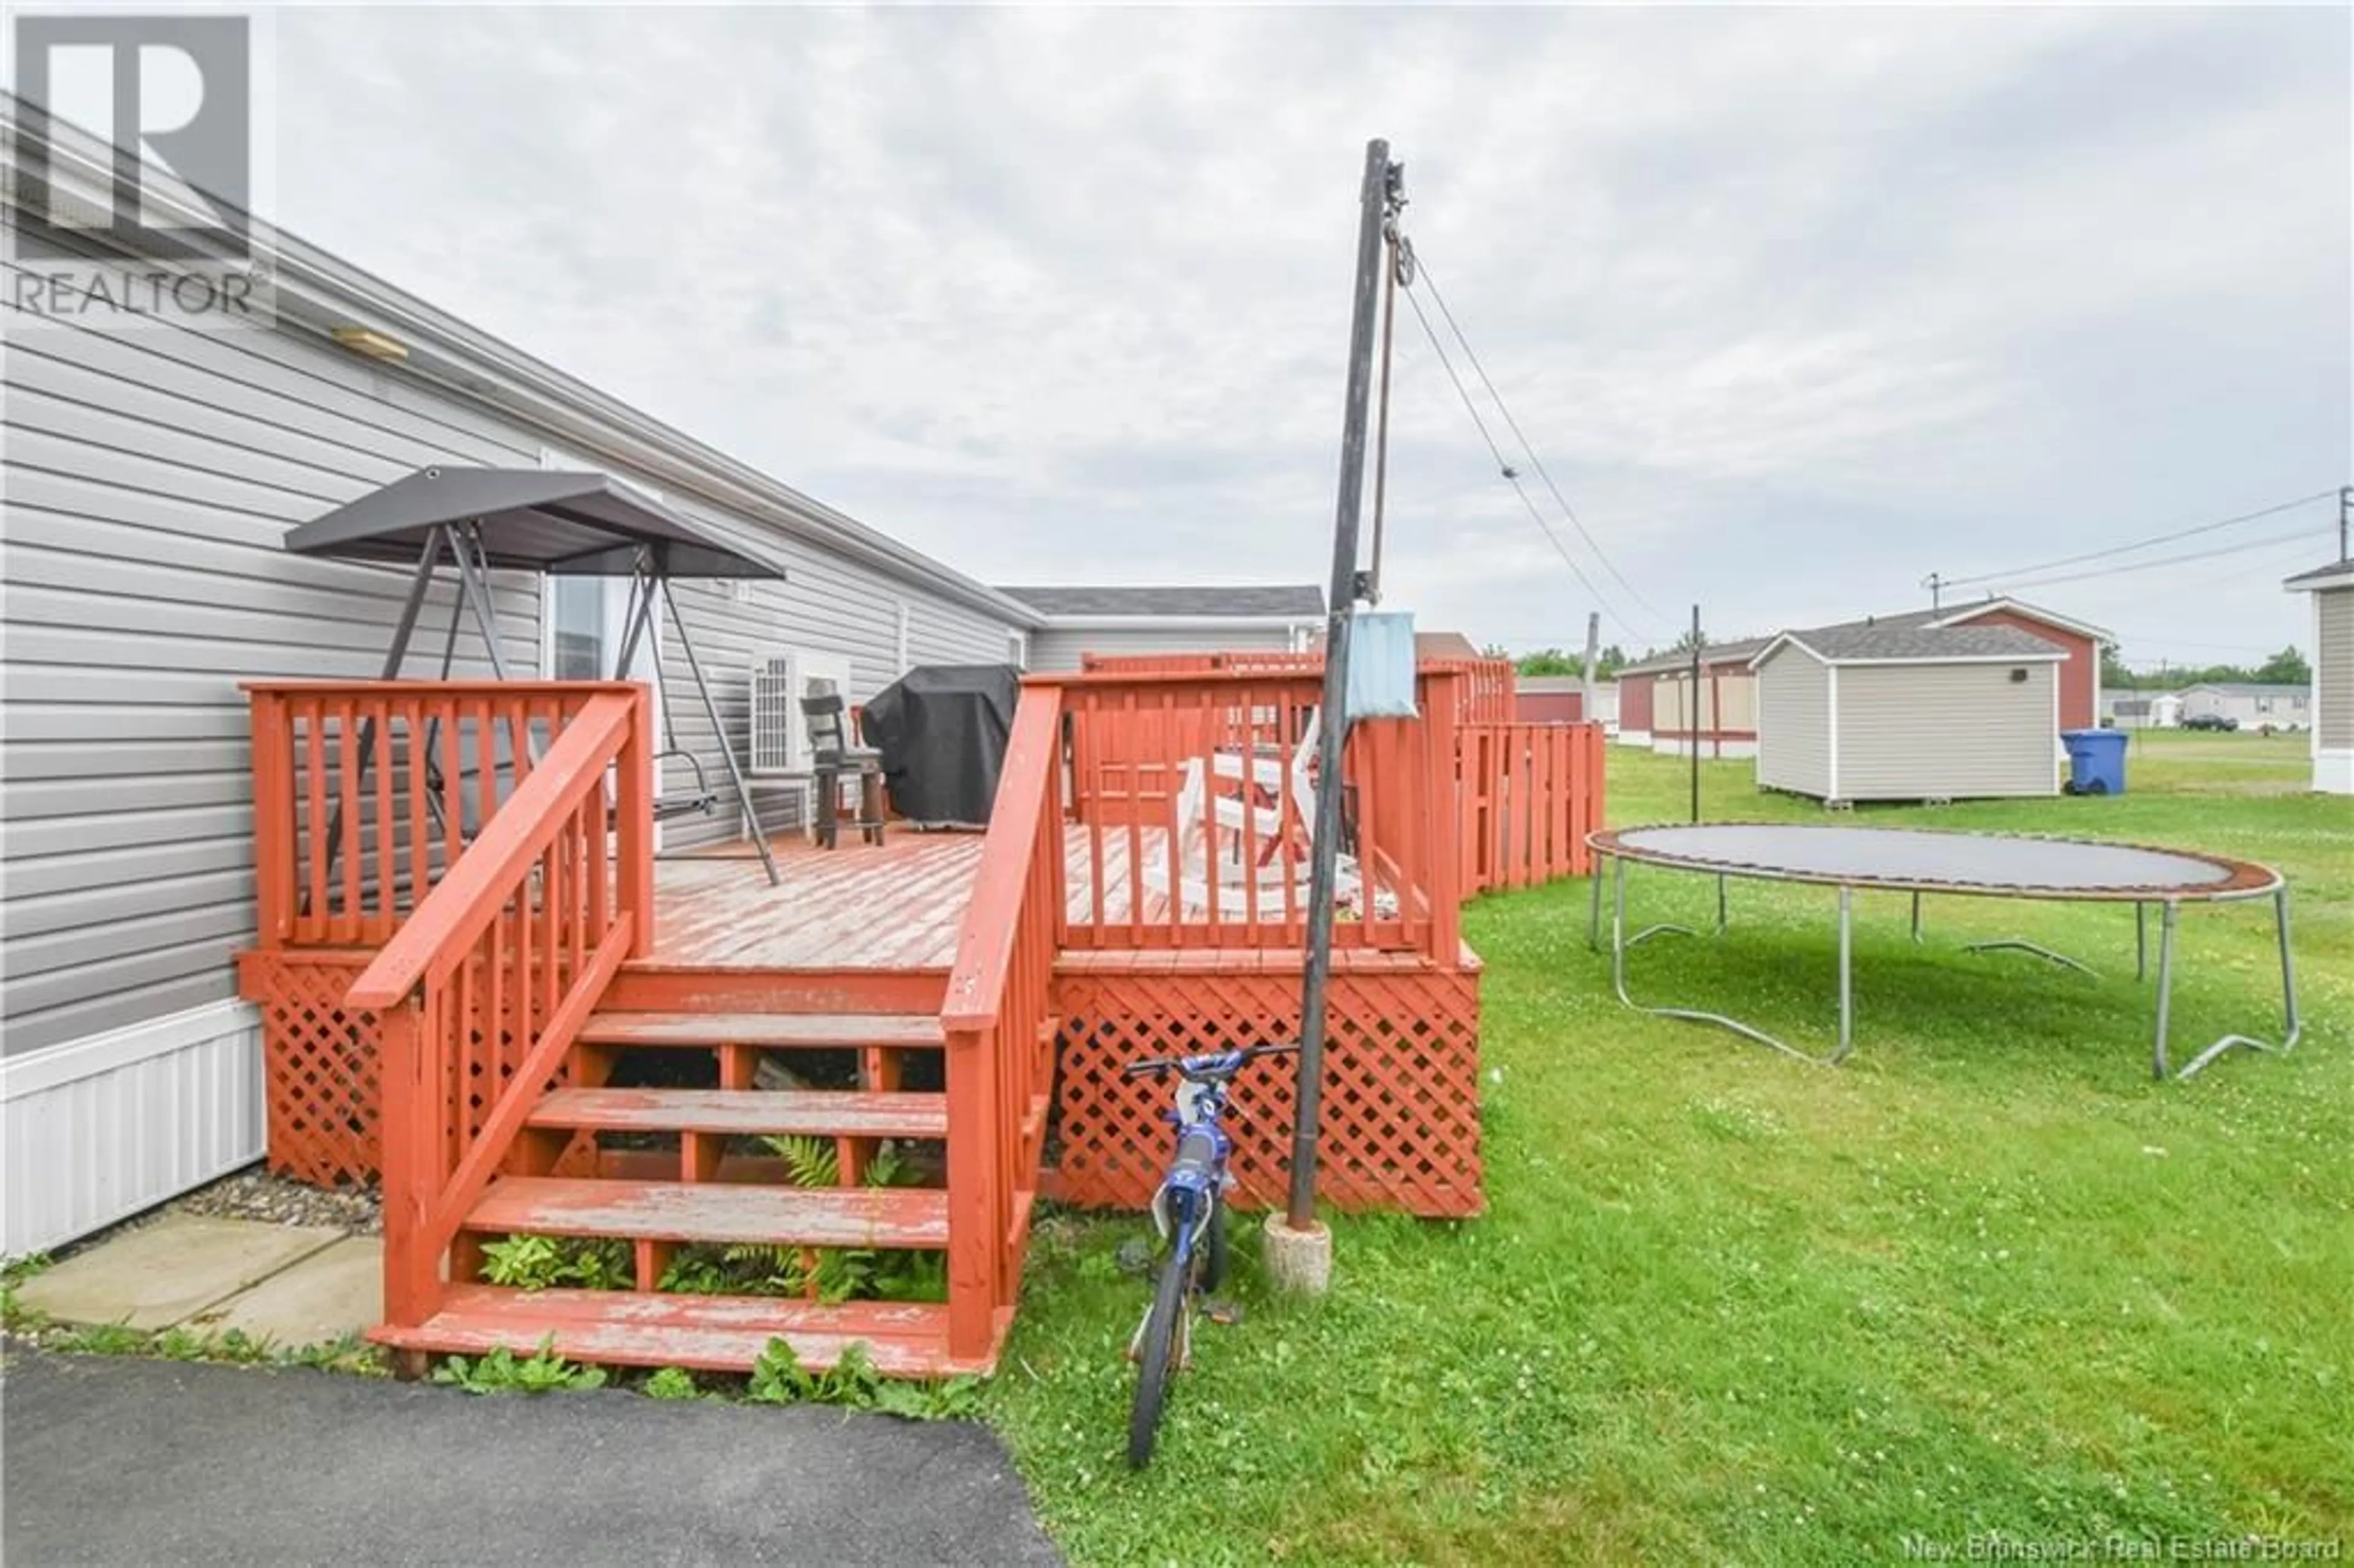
(1794, 734)
(1054, 650)
(1908, 732)
(2333, 665)
(825, 605)
(149, 478)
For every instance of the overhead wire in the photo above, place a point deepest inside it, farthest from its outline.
(1439, 297)
(2141, 544)
(1511, 475)
(2301, 534)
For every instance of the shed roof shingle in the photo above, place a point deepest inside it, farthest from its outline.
(1208, 603)
(1840, 644)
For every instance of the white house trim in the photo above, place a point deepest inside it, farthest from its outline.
(103, 1127)
(1831, 724)
(2032, 612)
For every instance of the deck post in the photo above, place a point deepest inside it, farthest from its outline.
(975, 1230)
(273, 820)
(1442, 860)
(633, 835)
(412, 1145)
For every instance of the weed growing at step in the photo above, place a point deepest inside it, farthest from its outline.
(670, 1382)
(826, 1275)
(544, 1263)
(503, 1371)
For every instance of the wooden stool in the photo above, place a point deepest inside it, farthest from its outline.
(832, 757)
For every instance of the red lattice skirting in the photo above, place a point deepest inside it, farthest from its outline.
(319, 1066)
(1401, 1107)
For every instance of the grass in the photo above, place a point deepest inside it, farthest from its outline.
(1986, 1278)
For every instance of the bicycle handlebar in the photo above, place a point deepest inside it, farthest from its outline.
(1216, 1064)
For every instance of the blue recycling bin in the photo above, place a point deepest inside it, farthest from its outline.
(2097, 761)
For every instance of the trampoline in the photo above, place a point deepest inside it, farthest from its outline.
(1923, 861)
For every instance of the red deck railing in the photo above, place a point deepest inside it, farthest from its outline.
(482, 991)
(1189, 794)
(1531, 793)
(365, 793)
(1000, 1033)
(1485, 695)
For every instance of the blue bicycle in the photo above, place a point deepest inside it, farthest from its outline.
(1190, 1213)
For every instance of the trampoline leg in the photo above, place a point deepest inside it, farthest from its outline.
(2158, 1065)
(1723, 921)
(1917, 917)
(1846, 976)
(2290, 1021)
(1620, 942)
(2141, 940)
(1594, 911)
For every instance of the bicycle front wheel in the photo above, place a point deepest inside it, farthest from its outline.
(1157, 1359)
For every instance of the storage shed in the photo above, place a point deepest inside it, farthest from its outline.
(2331, 704)
(1850, 714)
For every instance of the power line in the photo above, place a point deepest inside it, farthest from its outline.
(2142, 543)
(1422, 268)
(2301, 534)
(1506, 469)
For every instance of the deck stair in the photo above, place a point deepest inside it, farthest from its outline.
(562, 1178)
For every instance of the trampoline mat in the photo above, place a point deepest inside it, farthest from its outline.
(1992, 864)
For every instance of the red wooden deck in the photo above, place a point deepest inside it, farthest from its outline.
(455, 963)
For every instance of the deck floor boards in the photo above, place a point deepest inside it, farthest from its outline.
(898, 905)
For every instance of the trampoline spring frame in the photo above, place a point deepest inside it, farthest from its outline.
(2169, 910)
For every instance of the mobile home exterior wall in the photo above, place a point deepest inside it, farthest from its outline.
(1058, 650)
(150, 476)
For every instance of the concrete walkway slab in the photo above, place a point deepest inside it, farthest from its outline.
(115, 1459)
(164, 1273)
(334, 1292)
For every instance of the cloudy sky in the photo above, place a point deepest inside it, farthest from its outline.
(1797, 306)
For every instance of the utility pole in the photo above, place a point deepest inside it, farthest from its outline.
(1299, 1250)
(1691, 714)
(2345, 510)
(1592, 641)
(1936, 583)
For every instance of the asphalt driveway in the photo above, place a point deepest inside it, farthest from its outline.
(118, 1461)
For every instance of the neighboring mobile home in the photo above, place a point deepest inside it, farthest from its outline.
(1909, 713)
(2250, 704)
(1077, 621)
(151, 475)
(1561, 699)
(2330, 705)
(1656, 707)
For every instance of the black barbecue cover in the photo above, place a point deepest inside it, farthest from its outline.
(941, 729)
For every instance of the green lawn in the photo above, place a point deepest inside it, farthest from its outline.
(1985, 1277)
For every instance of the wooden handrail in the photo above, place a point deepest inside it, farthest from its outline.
(976, 988)
(472, 892)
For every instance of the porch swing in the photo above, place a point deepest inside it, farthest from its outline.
(554, 525)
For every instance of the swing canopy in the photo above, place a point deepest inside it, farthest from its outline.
(483, 520)
(527, 519)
